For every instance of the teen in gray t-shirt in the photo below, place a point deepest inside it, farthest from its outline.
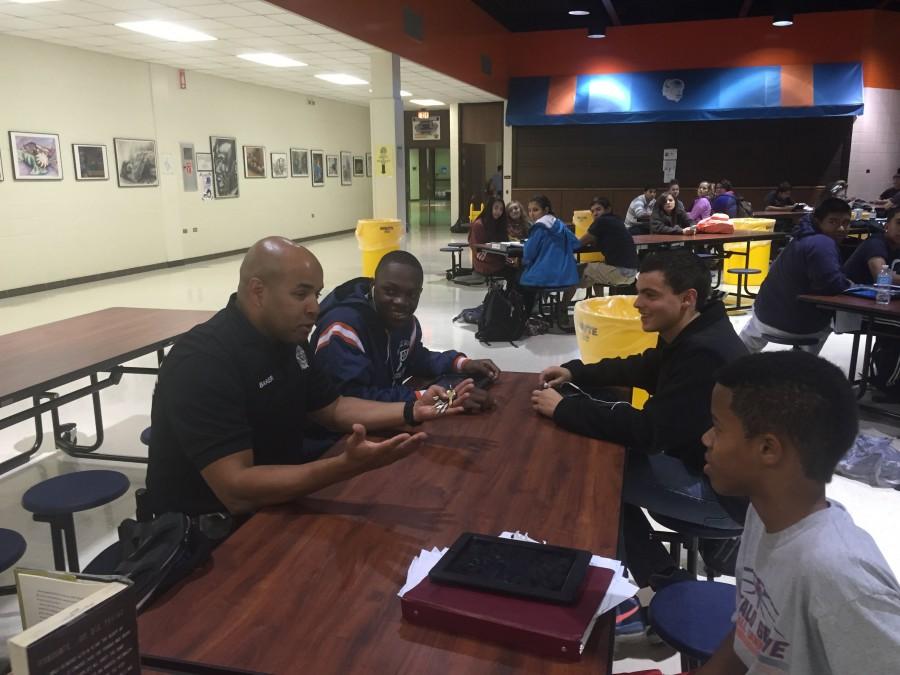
(817, 598)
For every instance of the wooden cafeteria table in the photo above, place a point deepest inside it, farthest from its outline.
(36, 360)
(312, 587)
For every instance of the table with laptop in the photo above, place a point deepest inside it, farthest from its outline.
(312, 586)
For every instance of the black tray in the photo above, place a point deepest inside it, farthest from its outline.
(549, 573)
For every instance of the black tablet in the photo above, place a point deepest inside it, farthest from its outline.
(548, 573)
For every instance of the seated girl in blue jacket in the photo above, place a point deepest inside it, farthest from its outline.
(548, 260)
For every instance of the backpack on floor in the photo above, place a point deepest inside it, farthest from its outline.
(503, 315)
(885, 374)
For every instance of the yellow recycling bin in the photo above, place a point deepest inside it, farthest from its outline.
(759, 251)
(376, 237)
(582, 221)
(610, 327)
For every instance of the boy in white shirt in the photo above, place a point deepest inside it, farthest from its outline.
(814, 594)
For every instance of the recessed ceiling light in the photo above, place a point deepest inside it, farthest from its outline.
(166, 31)
(340, 78)
(270, 59)
(404, 93)
(579, 8)
(426, 101)
(783, 14)
(597, 29)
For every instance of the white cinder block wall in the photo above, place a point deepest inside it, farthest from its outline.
(56, 230)
(875, 151)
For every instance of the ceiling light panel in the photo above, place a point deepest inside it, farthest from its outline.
(166, 31)
(270, 59)
(341, 78)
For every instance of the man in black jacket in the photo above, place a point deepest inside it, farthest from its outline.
(664, 470)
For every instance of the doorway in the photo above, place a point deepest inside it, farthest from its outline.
(428, 186)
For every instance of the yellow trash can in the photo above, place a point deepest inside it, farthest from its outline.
(610, 327)
(759, 251)
(582, 221)
(376, 237)
(475, 212)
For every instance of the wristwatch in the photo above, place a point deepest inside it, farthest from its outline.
(408, 415)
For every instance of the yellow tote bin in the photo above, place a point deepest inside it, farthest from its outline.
(759, 251)
(582, 221)
(376, 237)
(611, 327)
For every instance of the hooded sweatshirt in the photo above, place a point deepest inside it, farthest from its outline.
(364, 357)
(810, 264)
(548, 259)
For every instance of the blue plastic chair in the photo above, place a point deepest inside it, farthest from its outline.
(12, 547)
(54, 500)
(693, 617)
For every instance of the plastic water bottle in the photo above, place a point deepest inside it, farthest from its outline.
(883, 286)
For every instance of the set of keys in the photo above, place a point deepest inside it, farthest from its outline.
(441, 405)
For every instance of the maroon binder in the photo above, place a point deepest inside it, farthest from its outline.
(527, 625)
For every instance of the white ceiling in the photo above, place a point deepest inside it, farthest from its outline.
(240, 26)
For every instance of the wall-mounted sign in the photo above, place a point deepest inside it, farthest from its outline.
(426, 129)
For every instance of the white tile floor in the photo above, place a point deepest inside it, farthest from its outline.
(207, 285)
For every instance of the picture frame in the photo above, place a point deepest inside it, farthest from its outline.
(317, 167)
(299, 162)
(204, 161)
(137, 164)
(369, 164)
(90, 161)
(346, 168)
(254, 161)
(35, 156)
(225, 166)
(205, 178)
(426, 129)
(279, 164)
(359, 166)
(331, 166)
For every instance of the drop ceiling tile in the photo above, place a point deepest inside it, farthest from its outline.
(69, 20)
(258, 7)
(109, 17)
(128, 4)
(249, 21)
(279, 30)
(219, 10)
(13, 23)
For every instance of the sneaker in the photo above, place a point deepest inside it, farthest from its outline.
(629, 619)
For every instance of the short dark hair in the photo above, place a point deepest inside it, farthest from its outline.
(602, 201)
(783, 186)
(682, 270)
(798, 397)
(399, 258)
(830, 205)
(543, 202)
(725, 184)
(650, 187)
(674, 181)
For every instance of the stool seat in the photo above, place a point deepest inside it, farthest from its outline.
(790, 341)
(12, 547)
(145, 436)
(744, 270)
(693, 616)
(73, 492)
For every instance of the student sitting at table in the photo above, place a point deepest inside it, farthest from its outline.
(779, 200)
(864, 264)
(813, 592)
(368, 339)
(669, 218)
(809, 264)
(890, 198)
(517, 223)
(701, 209)
(235, 394)
(674, 189)
(664, 469)
(608, 235)
(637, 218)
(548, 258)
(726, 200)
(489, 226)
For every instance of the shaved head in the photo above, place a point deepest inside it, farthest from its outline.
(278, 288)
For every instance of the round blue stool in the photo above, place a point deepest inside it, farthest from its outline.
(693, 617)
(145, 436)
(12, 547)
(54, 500)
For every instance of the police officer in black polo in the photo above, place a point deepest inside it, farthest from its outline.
(235, 394)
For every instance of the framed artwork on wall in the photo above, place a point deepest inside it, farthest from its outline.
(225, 166)
(346, 168)
(136, 163)
(90, 162)
(331, 166)
(299, 162)
(35, 156)
(204, 161)
(359, 167)
(279, 164)
(317, 162)
(254, 161)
